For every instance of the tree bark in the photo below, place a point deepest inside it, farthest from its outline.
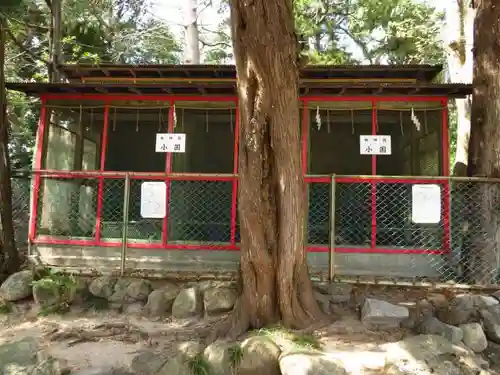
(275, 280)
(484, 145)
(9, 257)
(459, 39)
(192, 33)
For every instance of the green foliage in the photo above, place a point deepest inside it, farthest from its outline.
(235, 355)
(5, 307)
(61, 285)
(198, 365)
(306, 341)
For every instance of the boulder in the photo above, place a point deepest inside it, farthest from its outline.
(19, 355)
(492, 353)
(482, 301)
(149, 363)
(313, 363)
(337, 292)
(47, 293)
(138, 290)
(219, 300)
(433, 326)
(462, 309)
(103, 286)
(419, 354)
(259, 355)
(422, 311)
(381, 314)
(323, 301)
(119, 295)
(17, 286)
(187, 304)
(160, 301)
(219, 357)
(474, 337)
(491, 322)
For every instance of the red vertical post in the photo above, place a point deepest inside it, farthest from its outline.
(40, 135)
(446, 172)
(100, 191)
(168, 170)
(374, 185)
(234, 197)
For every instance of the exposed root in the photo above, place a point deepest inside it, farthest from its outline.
(232, 326)
(118, 331)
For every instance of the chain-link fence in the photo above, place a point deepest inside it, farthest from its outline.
(442, 229)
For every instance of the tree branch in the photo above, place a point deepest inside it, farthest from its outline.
(23, 48)
(215, 44)
(358, 42)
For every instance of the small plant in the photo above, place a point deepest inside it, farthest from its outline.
(235, 355)
(5, 307)
(198, 365)
(57, 291)
(307, 341)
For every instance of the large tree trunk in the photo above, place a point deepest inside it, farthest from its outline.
(9, 257)
(275, 278)
(484, 146)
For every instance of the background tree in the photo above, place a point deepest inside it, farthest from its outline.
(484, 145)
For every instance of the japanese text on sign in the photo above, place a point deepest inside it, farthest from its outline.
(426, 204)
(170, 142)
(375, 144)
(154, 199)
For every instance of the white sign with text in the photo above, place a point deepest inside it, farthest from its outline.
(375, 144)
(170, 142)
(153, 200)
(426, 204)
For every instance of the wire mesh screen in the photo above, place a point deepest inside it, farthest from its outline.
(67, 207)
(318, 227)
(353, 209)
(200, 212)
(395, 227)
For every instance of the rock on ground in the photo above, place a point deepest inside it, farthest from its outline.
(160, 301)
(17, 286)
(433, 326)
(259, 355)
(102, 371)
(218, 300)
(474, 337)
(337, 292)
(187, 304)
(461, 310)
(138, 290)
(103, 286)
(218, 355)
(491, 322)
(314, 363)
(381, 314)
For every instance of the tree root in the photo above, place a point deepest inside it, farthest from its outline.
(232, 326)
(118, 331)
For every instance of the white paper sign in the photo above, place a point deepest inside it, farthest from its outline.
(426, 204)
(154, 199)
(170, 142)
(375, 144)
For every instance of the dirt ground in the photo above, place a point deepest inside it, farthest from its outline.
(109, 338)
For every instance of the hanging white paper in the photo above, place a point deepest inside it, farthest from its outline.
(375, 144)
(154, 199)
(426, 204)
(170, 142)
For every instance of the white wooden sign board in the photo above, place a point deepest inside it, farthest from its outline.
(170, 142)
(154, 200)
(426, 204)
(375, 144)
